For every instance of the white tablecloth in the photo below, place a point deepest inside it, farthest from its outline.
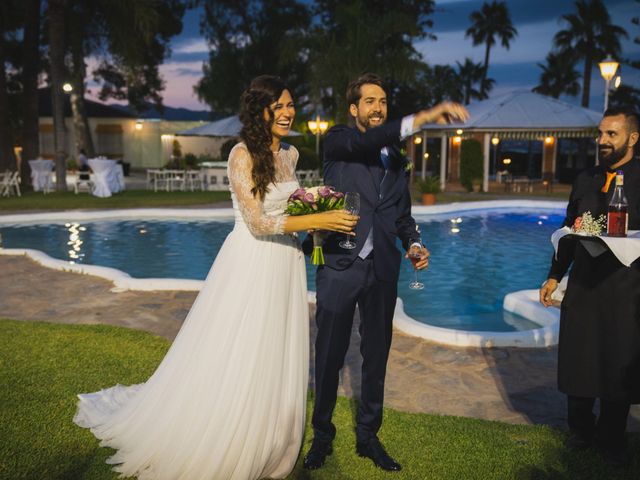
(626, 249)
(41, 174)
(108, 177)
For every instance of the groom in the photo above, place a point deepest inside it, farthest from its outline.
(365, 158)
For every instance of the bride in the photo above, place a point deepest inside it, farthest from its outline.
(228, 400)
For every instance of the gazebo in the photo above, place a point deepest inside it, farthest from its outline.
(518, 115)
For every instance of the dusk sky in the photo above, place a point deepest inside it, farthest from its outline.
(516, 68)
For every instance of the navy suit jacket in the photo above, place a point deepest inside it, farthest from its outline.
(352, 164)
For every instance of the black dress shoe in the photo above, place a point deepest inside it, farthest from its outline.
(374, 450)
(317, 454)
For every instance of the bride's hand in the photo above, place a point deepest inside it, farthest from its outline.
(337, 221)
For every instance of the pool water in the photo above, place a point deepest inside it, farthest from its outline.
(476, 258)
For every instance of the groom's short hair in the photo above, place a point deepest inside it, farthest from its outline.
(353, 90)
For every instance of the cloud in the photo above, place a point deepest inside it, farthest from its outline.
(197, 45)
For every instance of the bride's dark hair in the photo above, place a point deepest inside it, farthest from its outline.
(256, 132)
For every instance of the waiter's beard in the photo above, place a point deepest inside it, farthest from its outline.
(610, 156)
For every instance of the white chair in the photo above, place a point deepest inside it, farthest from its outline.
(41, 175)
(4, 183)
(83, 183)
(151, 177)
(14, 184)
(175, 180)
(193, 180)
(161, 180)
(102, 176)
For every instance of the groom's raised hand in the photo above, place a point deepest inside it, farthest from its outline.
(443, 113)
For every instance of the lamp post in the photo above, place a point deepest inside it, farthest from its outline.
(318, 127)
(608, 68)
(495, 141)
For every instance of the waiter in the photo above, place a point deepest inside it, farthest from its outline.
(599, 346)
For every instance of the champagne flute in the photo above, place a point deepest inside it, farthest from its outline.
(351, 205)
(415, 257)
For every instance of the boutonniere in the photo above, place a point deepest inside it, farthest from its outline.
(408, 164)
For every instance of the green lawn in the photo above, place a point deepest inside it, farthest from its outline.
(43, 366)
(126, 199)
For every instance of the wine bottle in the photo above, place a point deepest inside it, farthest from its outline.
(617, 218)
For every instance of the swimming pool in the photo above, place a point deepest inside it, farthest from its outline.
(478, 257)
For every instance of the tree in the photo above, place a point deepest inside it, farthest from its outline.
(559, 75)
(470, 74)
(490, 23)
(443, 84)
(9, 21)
(56, 17)
(249, 38)
(354, 36)
(136, 38)
(626, 95)
(30, 69)
(590, 36)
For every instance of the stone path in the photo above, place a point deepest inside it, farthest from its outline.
(507, 384)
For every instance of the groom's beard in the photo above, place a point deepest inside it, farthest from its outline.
(366, 122)
(610, 156)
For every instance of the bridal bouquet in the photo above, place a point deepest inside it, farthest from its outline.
(315, 200)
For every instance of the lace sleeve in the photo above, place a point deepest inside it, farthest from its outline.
(251, 208)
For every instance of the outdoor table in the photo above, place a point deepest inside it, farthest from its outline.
(41, 174)
(108, 177)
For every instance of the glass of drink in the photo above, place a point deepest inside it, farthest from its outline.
(415, 257)
(351, 205)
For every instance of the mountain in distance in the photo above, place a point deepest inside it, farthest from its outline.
(170, 113)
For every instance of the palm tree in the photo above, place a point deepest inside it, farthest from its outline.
(8, 24)
(490, 23)
(470, 74)
(30, 69)
(559, 76)
(56, 15)
(591, 36)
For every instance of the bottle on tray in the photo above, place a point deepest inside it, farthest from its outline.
(617, 218)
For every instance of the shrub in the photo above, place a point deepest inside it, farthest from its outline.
(470, 163)
(429, 184)
(190, 160)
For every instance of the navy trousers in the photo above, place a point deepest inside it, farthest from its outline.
(338, 293)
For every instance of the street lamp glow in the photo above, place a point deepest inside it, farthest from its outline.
(549, 140)
(67, 87)
(417, 140)
(495, 141)
(617, 82)
(317, 127)
(608, 68)
(459, 131)
(138, 125)
(506, 161)
(426, 155)
(457, 140)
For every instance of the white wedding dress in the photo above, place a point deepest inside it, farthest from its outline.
(228, 400)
